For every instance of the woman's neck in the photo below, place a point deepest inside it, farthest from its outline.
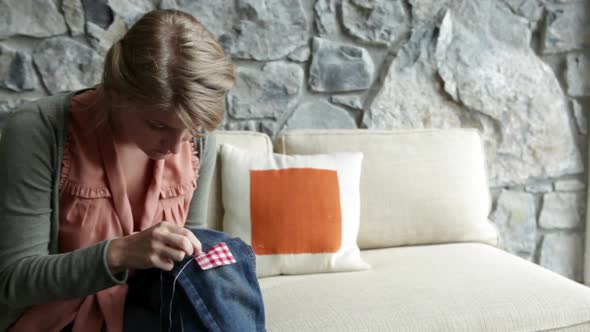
(107, 103)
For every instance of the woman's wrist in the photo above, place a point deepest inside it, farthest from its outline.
(115, 255)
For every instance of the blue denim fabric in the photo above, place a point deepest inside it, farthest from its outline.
(221, 299)
(225, 298)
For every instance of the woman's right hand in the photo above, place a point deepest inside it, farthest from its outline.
(158, 246)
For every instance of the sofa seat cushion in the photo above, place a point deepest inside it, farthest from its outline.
(449, 287)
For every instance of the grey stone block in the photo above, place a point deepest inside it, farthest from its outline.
(562, 210)
(16, 70)
(562, 253)
(376, 21)
(74, 15)
(65, 64)
(30, 18)
(577, 74)
(266, 93)
(567, 27)
(339, 67)
(326, 17)
(320, 115)
(516, 221)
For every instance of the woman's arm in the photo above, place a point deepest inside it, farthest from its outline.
(28, 274)
(197, 214)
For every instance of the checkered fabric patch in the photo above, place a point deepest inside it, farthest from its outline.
(218, 255)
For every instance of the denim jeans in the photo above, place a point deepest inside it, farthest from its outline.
(221, 299)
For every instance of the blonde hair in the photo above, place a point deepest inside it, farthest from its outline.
(169, 60)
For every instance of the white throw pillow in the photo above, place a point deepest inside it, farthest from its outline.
(299, 213)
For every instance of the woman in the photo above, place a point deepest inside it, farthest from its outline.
(98, 183)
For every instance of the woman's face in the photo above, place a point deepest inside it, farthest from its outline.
(157, 133)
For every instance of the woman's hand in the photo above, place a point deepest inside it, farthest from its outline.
(158, 246)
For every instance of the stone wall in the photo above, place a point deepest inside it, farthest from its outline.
(518, 70)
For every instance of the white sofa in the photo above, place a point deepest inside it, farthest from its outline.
(424, 230)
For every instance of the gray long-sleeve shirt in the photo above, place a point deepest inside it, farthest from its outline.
(31, 270)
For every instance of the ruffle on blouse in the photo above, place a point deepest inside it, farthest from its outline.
(174, 210)
(80, 190)
(177, 190)
(84, 191)
(74, 188)
(187, 186)
(66, 161)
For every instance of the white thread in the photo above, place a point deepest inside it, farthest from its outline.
(161, 298)
(181, 322)
(172, 297)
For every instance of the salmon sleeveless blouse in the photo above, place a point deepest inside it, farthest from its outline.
(94, 206)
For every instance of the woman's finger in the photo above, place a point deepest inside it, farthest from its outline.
(170, 253)
(194, 241)
(163, 263)
(176, 241)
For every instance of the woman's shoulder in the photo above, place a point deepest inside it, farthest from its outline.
(36, 128)
(39, 115)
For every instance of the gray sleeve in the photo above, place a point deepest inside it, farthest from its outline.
(197, 214)
(28, 273)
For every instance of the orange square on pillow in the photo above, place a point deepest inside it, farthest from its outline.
(295, 211)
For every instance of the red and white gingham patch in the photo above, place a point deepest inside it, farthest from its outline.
(218, 255)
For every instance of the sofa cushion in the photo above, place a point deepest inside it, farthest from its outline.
(300, 214)
(252, 141)
(417, 186)
(450, 287)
